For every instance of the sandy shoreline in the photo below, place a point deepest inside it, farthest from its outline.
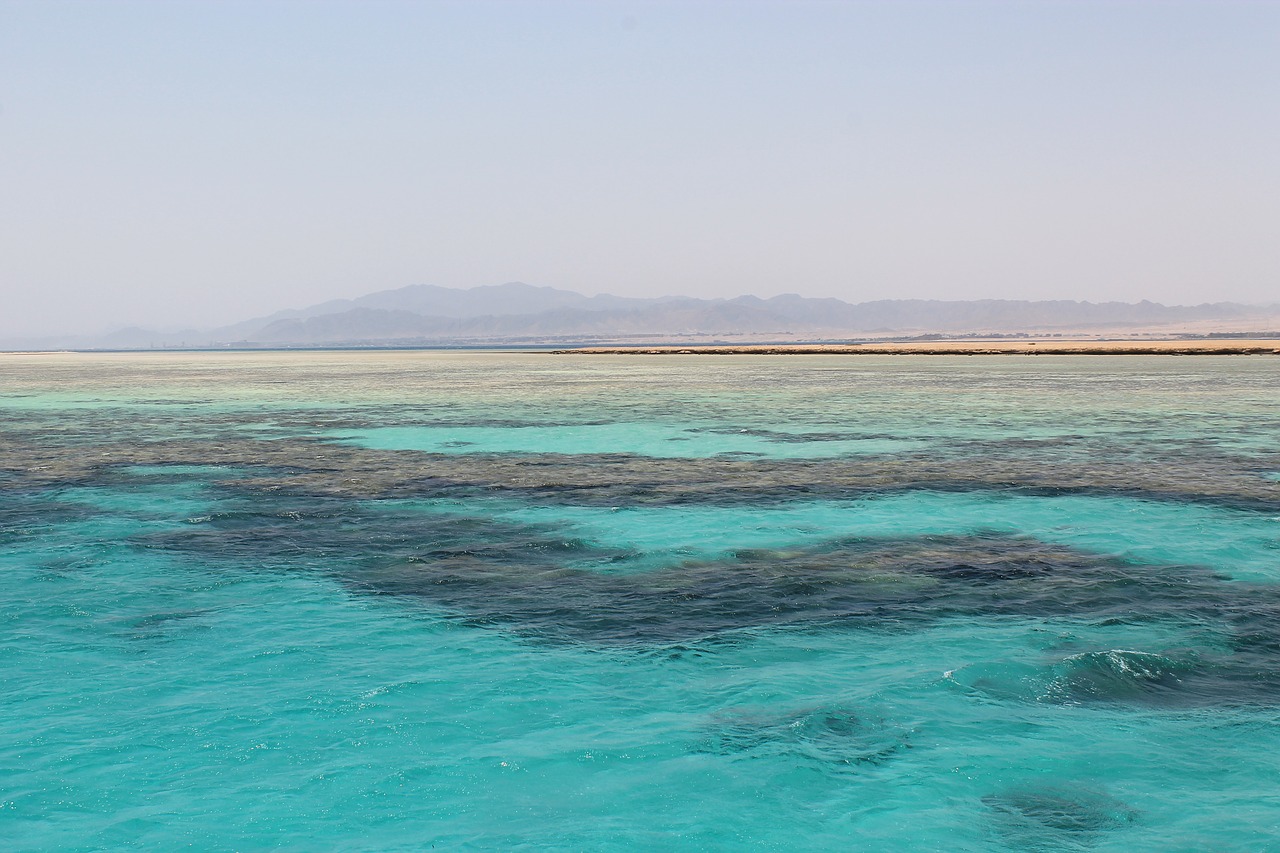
(964, 347)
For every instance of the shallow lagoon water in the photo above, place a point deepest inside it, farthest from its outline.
(390, 600)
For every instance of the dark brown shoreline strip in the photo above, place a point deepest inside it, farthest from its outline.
(1217, 349)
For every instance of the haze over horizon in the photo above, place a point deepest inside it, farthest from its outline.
(202, 163)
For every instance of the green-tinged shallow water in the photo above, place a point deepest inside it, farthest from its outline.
(391, 601)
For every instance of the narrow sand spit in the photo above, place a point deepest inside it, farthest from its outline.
(964, 347)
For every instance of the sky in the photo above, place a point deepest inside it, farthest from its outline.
(197, 163)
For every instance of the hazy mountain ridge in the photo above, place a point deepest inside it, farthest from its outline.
(429, 314)
(516, 310)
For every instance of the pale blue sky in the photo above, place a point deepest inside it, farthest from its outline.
(171, 163)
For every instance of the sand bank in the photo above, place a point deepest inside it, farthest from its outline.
(961, 347)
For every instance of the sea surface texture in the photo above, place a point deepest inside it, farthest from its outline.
(385, 601)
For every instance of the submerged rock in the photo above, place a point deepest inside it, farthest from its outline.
(1060, 810)
(533, 580)
(301, 462)
(831, 735)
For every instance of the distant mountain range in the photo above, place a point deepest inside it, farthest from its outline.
(521, 313)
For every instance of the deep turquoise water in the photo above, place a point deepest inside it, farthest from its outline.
(385, 601)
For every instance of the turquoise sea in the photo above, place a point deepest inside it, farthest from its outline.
(397, 601)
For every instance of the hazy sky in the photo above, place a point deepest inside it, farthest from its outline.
(168, 162)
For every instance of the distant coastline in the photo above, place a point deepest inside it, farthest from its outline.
(522, 315)
(960, 347)
(965, 346)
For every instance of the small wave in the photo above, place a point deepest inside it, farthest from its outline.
(1116, 675)
(1111, 675)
